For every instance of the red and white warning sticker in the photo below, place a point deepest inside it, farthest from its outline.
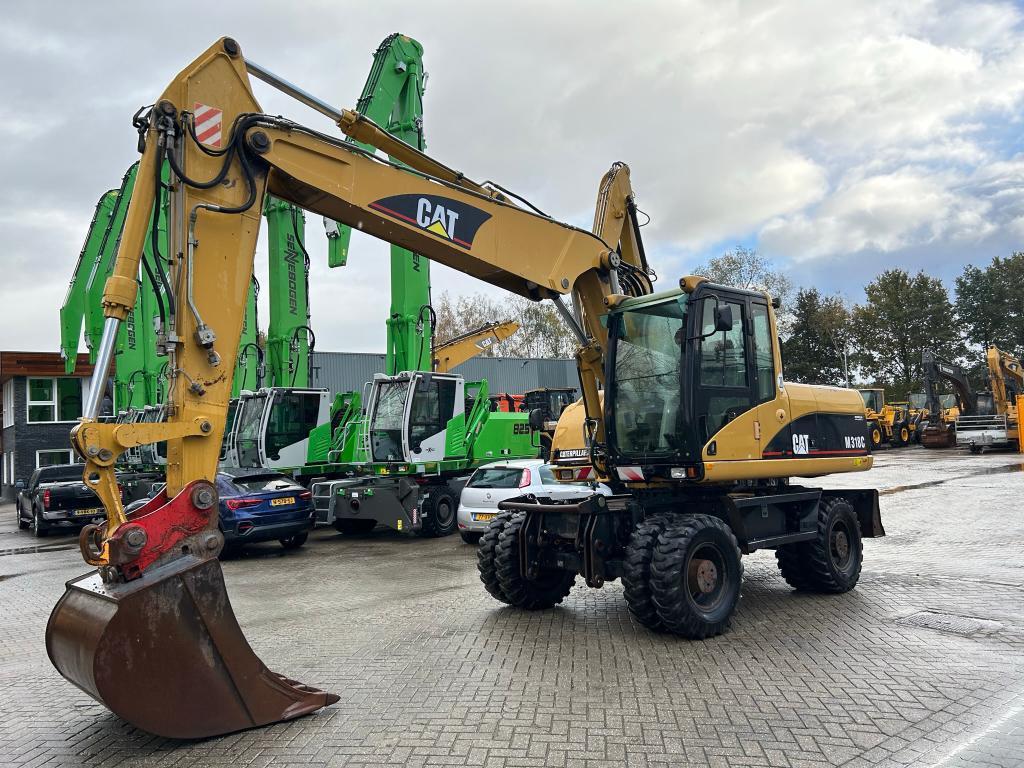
(209, 125)
(630, 473)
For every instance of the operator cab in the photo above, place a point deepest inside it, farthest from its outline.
(270, 428)
(409, 415)
(694, 381)
(874, 399)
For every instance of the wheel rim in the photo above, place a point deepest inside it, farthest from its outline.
(876, 436)
(444, 514)
(706, 573)
(905, 435)
(839, 545)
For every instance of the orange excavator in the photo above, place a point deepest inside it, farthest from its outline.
(150, 632)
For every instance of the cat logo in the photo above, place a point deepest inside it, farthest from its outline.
(801, 444)
(443, 217)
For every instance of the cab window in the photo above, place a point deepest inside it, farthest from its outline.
(723, 359)
(764, 363)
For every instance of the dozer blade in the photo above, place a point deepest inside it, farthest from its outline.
(165, 653)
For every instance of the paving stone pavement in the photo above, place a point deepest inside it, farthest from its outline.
(921, 665)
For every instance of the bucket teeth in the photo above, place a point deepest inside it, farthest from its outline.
(165, 653)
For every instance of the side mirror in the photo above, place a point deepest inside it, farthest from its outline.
(536, 420)
(19, 485)
(723, 317)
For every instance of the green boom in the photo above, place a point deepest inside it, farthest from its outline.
(393, 98)
(72, 312)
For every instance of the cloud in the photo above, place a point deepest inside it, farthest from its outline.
(837, 138)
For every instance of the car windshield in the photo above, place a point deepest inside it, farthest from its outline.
(256, 483)
(649, 345)
(496, 477)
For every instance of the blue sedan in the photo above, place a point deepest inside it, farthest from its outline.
(257, 505)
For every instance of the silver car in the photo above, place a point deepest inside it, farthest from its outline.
(502, 480)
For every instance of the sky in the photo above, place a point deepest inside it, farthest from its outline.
(838, 139)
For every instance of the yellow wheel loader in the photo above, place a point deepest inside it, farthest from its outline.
(697, 431)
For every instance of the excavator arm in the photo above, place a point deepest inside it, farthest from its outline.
(456, 351)
(1006, 377)
(161, 561)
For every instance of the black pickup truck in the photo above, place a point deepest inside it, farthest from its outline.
(56, 497)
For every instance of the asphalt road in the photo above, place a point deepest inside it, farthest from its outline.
(922, 664)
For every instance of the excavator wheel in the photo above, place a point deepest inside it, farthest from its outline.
(165, 653)
(636, 571)
(443, 519)
(486, 550)
(695, 576)
(544, 589)
(831, 562)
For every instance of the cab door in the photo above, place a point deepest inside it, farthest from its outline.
(725, 394)
(773, 417)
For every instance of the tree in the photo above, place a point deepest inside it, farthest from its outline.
(990, 305)
(541, 334)
(817, 349)
(746, 268)
(902, 316)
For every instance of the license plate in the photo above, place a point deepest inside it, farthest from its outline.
(482, 517)
(282, 502)
(92, 512)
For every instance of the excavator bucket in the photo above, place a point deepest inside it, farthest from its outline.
(165, 653)
(938, 437)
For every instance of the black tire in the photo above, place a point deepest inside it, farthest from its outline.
(900, 434)
(355, 526)
(471, 537)
(23, 524)
(443, 517)
(546, 590)
(696, 574)
(830, 563)
(294, 541)
(39, 527)
(875, 437)
(636, 571)
(485, 552)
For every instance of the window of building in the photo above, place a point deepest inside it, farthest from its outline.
(8, 404)
(53, 400)
(51, 457)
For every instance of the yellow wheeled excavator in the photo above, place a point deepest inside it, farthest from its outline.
(698, 433)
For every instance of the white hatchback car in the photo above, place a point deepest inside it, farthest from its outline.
(502, 480)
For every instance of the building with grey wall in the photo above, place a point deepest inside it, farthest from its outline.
(346, 371)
